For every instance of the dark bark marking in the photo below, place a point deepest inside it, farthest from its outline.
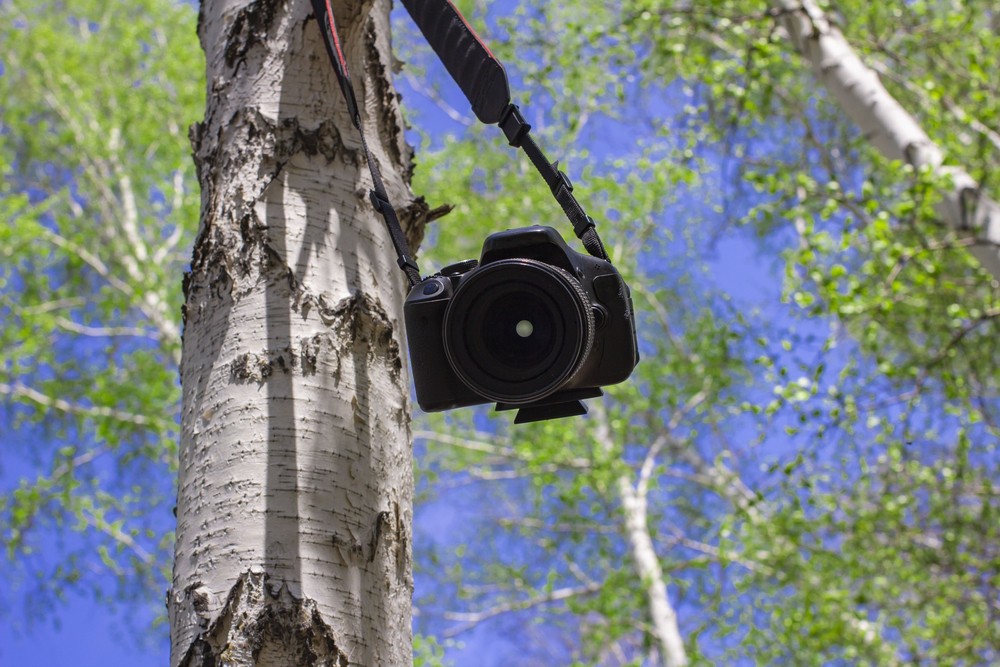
(388, 126)
(309, 349)
(266, 147)
(250, 27)
(382, 523)
(250, 367)
(352, 552)
(360, 320)
(258, 367)
(414, 219)
(360, 553)
(274, 628)
(401, 545)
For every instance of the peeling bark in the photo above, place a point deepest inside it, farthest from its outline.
(295, 485)
(890, 128)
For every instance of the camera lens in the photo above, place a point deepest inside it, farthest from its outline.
(516, 330)
(518, 333)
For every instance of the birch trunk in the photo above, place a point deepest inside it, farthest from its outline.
(647, 565)
(294, 498)
(662, 616)
(887, 124)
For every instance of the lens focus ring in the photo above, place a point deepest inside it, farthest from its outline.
(517, 330)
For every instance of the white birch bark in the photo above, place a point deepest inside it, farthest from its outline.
(295, 484)
(887, 124)
(662, 615)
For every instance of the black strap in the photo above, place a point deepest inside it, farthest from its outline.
(378, 196)
(558, 181)
(484, 81)
(469, 61)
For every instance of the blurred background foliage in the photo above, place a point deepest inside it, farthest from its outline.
(100, 208)
(814, 422)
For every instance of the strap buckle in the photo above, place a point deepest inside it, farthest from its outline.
(378, 201)
(563, 181)
(405, 263)
(581, 227)
(513, 125)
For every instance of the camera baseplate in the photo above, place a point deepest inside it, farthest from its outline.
(560, 404)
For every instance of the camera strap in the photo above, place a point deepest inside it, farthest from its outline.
(377, 195)
(484, 81)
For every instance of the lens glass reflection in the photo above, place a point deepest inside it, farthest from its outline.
(517, 331)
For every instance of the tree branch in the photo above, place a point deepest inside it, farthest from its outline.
(506, 452)
(472, 619)
(650, 461)
(949, 104)
(70, 325)
(891, 129)
(72, 408)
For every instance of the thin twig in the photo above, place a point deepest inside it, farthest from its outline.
(470, 620)
(661, 314)
(80, 460)
(54, 305)
(650, 462)
(432, 94)
(557, 527)
(122, 538)
(504, 451)
(70, 325)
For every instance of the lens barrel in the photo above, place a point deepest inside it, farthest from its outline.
(517, 330)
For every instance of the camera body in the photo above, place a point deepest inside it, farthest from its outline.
(532, 325)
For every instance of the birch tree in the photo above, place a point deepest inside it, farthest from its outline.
(294, 495)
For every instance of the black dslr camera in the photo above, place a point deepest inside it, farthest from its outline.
(531, 325)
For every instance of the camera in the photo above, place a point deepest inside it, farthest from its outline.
(532, 325)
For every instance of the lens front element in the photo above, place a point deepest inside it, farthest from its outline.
(516, 330)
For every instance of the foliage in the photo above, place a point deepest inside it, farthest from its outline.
(99, 201)
(427, 652)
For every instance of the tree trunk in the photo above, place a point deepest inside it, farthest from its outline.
(893, 131)
(662, 616)
(647, 565)
(295, 486)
